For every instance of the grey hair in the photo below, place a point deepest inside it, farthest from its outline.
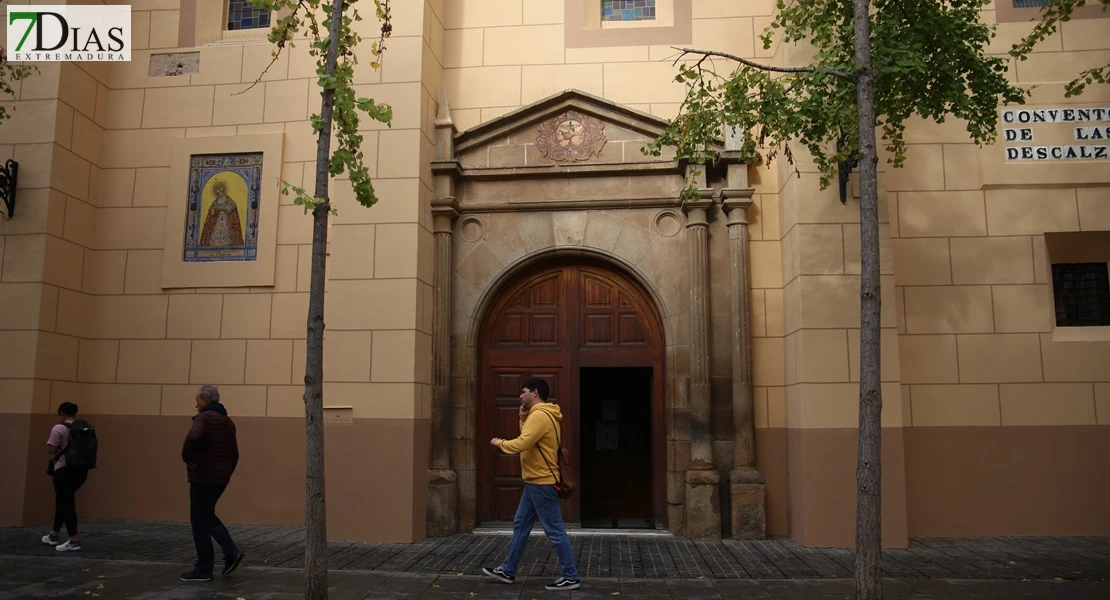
(210, 393)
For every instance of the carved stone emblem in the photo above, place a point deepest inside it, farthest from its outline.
(571, 136)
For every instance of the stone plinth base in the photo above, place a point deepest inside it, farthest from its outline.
(443, 500)
(748, 496)
(703, 505)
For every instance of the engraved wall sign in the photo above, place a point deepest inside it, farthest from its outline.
(572, 136)
(1048, 141)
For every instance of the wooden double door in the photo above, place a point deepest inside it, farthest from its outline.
(594, 336)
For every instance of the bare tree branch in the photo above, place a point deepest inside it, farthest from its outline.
(755, 65)
(264, 71)
(277, 55)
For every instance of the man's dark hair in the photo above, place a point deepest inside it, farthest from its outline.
(539, 386)
(67, 409)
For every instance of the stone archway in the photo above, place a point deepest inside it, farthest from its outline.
(478, 276)
(587, 329)
(505, 199)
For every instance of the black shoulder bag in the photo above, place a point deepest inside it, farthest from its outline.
(564, 488)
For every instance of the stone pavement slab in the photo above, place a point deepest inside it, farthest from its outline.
(604, 556)
(68, 576)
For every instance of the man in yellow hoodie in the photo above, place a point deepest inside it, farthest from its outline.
(538, 447)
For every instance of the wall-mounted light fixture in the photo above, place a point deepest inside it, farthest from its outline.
(844, 169)
(9, 175)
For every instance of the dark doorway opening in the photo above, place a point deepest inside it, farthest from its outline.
(615, 449)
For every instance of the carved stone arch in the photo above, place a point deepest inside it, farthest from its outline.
(669, 308)
(560, 316)
(490, 292)
(565, 178)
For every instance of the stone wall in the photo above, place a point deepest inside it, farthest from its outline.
(84, 271)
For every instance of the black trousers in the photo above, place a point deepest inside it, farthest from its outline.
(207, 526)
(67, 480)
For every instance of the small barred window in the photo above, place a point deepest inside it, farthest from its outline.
(1082, 293)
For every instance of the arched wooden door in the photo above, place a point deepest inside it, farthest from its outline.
(574, 325)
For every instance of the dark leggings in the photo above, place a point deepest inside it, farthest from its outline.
(66, 483)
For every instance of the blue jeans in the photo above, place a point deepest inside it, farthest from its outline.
(540, 501)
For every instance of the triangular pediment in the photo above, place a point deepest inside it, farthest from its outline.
(570, 129)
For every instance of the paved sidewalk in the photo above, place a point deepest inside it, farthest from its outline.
(1034, 558)
(141, 560)
(72, 577)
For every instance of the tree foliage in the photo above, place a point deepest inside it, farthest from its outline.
(9, 74)
(929, 59)
(874, 66)
(302, 17)
(1052, 14)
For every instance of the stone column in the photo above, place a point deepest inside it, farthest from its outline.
(442, 516)
(703, 505)
(747, 490)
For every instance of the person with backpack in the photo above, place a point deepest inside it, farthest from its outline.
(211, 454)
(72, 448)
(540, 450)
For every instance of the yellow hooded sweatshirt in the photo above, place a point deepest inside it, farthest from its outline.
(538, 434)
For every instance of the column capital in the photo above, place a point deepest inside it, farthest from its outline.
(695, 211)
(735, 203)
(444, 212)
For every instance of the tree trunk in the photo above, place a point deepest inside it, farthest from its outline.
(316, 535)
(869, 575)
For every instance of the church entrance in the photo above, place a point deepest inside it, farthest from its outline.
(616, 443)
(597, 339)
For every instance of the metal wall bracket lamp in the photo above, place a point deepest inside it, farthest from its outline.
(9, 176)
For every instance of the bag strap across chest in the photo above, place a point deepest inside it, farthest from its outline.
(558, 452)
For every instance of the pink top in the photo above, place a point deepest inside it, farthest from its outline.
(59, 437)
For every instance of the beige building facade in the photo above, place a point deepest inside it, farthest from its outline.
(705, 353)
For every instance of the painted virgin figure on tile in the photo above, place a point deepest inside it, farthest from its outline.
(222, 226)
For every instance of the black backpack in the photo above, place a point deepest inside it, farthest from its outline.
(80, 451)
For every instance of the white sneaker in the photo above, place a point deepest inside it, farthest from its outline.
(563, 583)
(50, 540)
(68, 547)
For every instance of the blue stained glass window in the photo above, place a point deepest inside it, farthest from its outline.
(627, 10)
(241, 14)
(1029, 3)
